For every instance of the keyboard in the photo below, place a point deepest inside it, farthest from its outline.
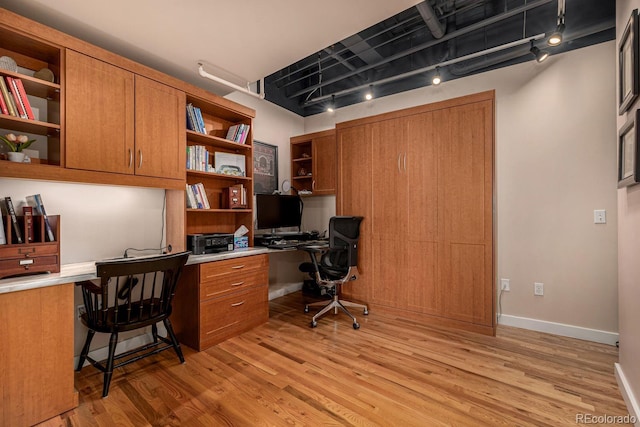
(283, 244)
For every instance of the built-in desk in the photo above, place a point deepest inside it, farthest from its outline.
(36, 331)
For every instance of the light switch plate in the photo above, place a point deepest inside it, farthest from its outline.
(599, 216)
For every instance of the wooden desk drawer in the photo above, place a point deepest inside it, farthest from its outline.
(209, 271)
(35, 264)
(225, 317)
(233, 282)
(28, 250)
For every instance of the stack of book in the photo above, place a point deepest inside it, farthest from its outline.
(13, 99)
(199, 159)
(238, 133)
(197, 197)
(34, 206)
(195, 122)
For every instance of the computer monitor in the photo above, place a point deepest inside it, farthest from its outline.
(278, 211)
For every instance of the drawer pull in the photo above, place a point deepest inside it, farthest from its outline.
(26, 261)
(237, 284)
(237, 304)
(237, 267)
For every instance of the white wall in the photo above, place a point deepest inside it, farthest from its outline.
(628, 370)
(555, 163)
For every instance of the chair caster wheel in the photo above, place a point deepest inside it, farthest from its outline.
(365, 312)
(356, 325)
(313, 324)
(306, 308)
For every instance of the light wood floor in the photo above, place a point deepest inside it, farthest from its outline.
(391, 372)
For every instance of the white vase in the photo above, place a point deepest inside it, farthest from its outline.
(16, 156)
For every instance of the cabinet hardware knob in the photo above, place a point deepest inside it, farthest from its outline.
(140, 156)
(237, 267)
(237, 284)
(130, 157)
(237, 304)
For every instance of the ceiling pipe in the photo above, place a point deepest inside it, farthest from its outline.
(436, 27)
(520, 42)
(418, 48)
(227, 83)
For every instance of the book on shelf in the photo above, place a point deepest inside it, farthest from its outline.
(27, 211)
(191, 198)
(3, 105)
(24, 99)
(3, 235)
(203, 194)
(35, 201)
(199, 199)
(16, 97)
(8, 98)
(200, 120)
(14, 219)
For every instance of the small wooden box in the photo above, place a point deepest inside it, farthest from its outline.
(39, 256)
(234, 197)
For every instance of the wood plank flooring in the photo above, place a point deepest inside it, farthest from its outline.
(390, 372)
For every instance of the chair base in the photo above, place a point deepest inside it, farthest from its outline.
(335, 304)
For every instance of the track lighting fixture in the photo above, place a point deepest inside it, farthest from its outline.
(540, 55)
(369, 95)
(332, 104)
(556, 37)
(436, 80)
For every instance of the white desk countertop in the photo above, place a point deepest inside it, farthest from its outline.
(77, 272)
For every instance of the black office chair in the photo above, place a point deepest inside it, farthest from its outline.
(133, 293)
(338, 265)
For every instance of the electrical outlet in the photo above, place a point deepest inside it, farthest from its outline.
(80, 310)
(504, 285)
(538, 289)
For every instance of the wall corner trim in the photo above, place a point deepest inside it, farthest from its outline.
(561, 329)
(627, 394)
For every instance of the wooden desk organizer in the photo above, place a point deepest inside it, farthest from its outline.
(38, 256)
(233, 197)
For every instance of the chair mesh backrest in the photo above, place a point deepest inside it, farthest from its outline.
(344, 232)
(135, 290)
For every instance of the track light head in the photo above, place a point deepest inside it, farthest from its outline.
(332, 105)
(436, 80)
(369, 95)
(540, 55)
(556, 38)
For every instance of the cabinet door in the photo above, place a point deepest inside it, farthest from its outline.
(422, 238)
(324, 165)
(99, 115)
(390, 182)
(159, 136)
(354, 198)
(466, 172)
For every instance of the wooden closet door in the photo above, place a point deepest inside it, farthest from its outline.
(390, 213)
(422, 237)
(160, 130)
(465, 211)
(99, 115)
(354, 198)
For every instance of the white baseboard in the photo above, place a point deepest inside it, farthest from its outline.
(561, 329)
(627, 394)
(282, 289)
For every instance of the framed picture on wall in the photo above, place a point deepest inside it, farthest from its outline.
(628, 164)
(629, 63)
(265, 168)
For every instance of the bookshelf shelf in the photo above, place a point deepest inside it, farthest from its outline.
(29, 126)
(36, 87)
(219, 211)
(217, 175)
(215, 141)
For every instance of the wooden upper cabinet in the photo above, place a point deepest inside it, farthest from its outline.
(99, 115)
(159, 130)
(314, 162)
(120, 122)
(324, 167)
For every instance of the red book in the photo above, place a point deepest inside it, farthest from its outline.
(24, 99)
(27, 211)
(3, 105)
(16, 97)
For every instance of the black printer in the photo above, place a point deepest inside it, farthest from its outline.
(200, 244)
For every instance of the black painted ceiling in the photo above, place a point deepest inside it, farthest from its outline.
(408, 43)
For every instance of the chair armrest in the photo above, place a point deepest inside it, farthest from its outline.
(90, 286)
